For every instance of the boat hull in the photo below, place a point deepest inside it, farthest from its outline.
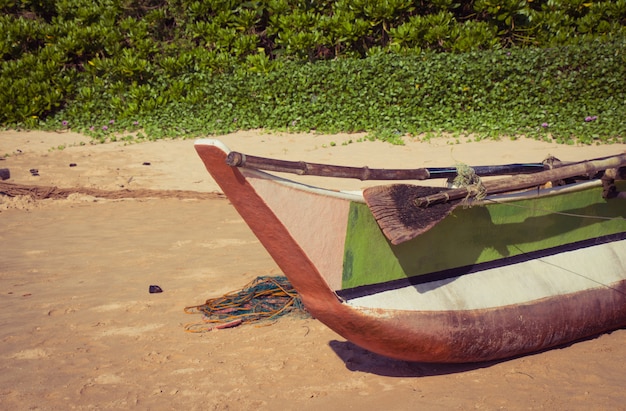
(409, 302)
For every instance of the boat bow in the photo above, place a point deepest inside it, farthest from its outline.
(486, 283)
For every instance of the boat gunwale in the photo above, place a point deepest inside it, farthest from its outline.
(357, 195)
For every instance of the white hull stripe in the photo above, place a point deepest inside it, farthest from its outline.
(536, 276)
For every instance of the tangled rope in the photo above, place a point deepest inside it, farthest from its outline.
(263, 298)
(467, 177)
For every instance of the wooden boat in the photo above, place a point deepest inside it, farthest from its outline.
(517, 272)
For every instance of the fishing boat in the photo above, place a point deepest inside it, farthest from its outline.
(500, 267)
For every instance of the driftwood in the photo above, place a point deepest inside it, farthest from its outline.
(236, 159)
(47, 192)
(398, 208)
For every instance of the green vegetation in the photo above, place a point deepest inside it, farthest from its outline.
(543, 68)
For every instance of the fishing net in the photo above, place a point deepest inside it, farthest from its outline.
(265, 298)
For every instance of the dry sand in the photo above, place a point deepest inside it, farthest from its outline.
(80, 330)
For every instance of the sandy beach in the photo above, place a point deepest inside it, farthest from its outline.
(80, 331)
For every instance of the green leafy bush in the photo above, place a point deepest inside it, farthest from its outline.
(390, 67)
(545, 93)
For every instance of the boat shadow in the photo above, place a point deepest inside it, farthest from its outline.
(359, 359)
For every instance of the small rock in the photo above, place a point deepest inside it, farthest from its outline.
(154, 289)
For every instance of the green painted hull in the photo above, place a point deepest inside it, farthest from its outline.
(476, 235)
